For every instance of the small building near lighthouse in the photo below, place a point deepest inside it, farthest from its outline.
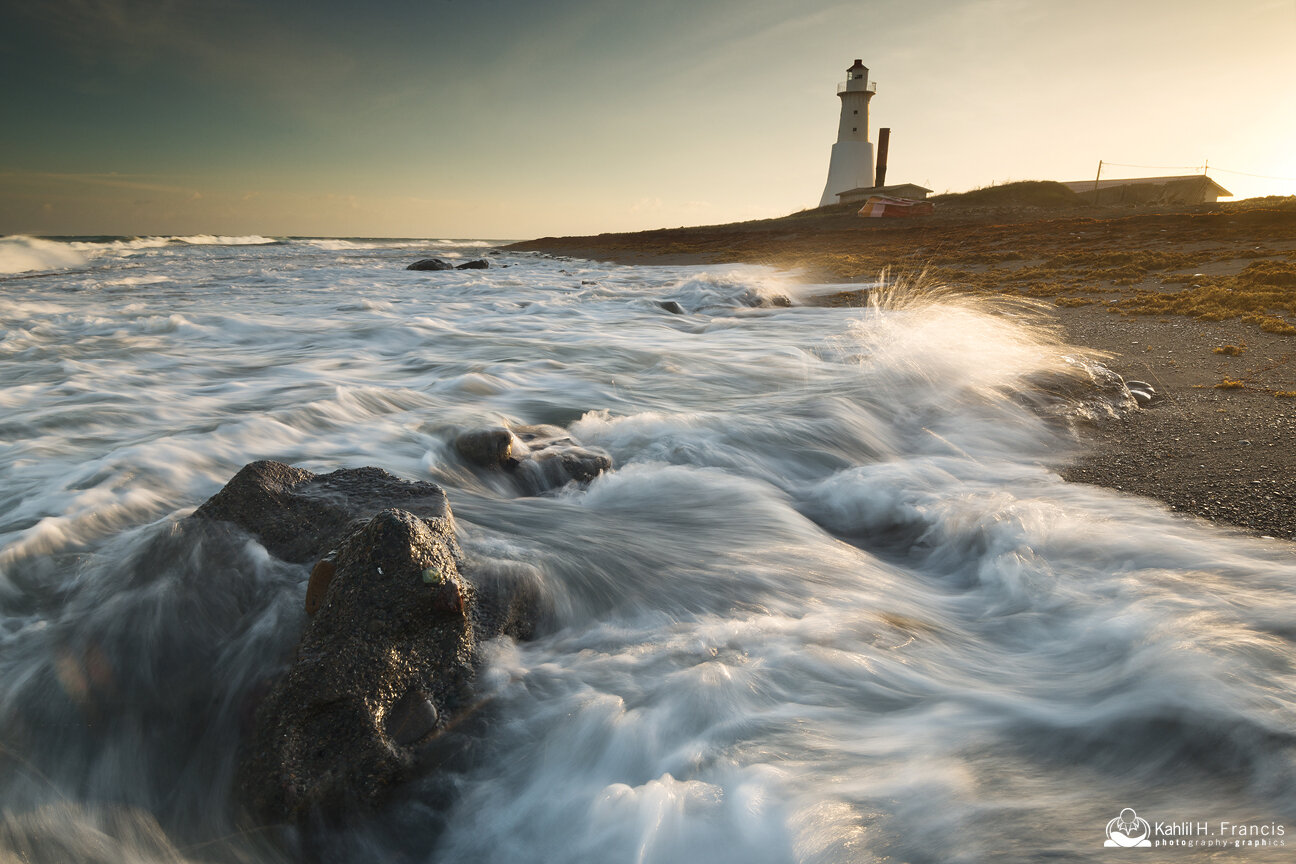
(851, 164)
(909, 191)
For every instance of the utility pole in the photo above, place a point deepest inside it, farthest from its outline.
(1096, 176)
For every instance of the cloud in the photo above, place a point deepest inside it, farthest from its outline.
(646, 205)
(220, 41)
(123, 32)
(113, 180)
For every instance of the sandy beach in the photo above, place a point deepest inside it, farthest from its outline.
(1199, 301)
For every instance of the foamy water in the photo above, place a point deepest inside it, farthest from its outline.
(832, 604)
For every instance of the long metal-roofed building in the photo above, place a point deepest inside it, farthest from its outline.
(1184, 189)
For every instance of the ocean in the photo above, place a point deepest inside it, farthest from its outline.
(833, 602)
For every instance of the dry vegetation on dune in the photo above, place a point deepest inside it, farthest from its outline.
(1037, 239)
(1026, 193)
(1264, 294)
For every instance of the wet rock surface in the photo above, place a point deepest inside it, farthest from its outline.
(442, 264)
(1143, 392)
(536, 458)
(299, 516)
(389, 651)
(431, 264)
(1088, 391)
(387, 659)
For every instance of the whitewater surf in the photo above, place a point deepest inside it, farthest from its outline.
(831, 603)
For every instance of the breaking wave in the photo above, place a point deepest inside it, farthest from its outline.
(160, 242)
(21, 254)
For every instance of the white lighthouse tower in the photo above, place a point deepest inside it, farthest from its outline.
(851, 165)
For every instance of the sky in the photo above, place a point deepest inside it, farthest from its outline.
(509, 119)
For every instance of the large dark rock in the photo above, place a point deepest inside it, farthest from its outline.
(431, 264)
(386, 661)
(537, 458)
(300, 517)
(478, 264)
(388, 656)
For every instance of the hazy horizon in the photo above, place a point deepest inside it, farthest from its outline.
(511, 120)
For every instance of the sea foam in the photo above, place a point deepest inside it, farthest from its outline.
(833, 603)
(21, 254)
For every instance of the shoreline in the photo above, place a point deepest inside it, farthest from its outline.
(1222, 453)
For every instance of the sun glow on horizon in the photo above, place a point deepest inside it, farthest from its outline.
(590, 117)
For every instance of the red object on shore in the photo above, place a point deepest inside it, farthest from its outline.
(885, 206)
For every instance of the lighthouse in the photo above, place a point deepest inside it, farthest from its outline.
(851, 165)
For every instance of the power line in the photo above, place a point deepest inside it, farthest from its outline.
(1262, 176)
(1157, 167)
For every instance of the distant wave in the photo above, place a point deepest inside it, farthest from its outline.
(122, 245)
(218, 240)
(157, 242)
(337, 245)
(21, 254)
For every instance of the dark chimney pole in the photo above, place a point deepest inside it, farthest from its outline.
(884, 139)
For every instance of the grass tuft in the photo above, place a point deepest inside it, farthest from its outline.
(1264, 294)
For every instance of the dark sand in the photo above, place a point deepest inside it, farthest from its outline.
(1225, 454)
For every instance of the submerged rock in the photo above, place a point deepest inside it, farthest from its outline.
(537, 458)
(488, 448)
(441, 264)
(1085, 390)
(387, 658)
(671, 306)
(431, 264)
